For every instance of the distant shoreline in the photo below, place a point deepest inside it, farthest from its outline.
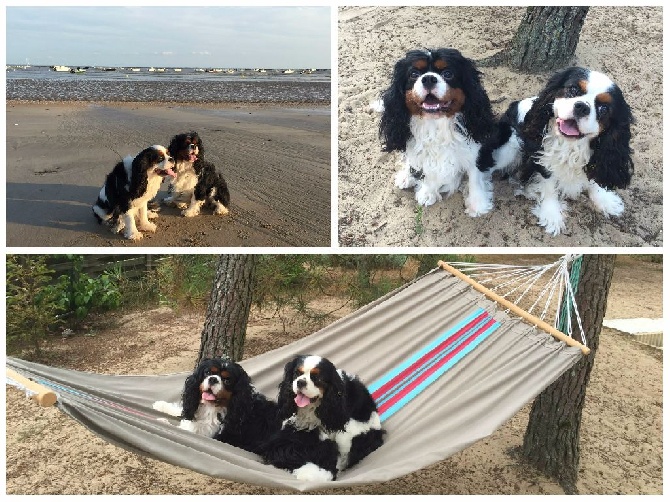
(172, 104)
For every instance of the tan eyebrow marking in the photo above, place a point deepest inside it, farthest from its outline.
(421, 64)
(440, 64)
(583, 85)
(604, 97)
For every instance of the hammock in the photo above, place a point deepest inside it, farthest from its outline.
(446, 365)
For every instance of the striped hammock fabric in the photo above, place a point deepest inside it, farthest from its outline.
(407, 380)
(446, 365)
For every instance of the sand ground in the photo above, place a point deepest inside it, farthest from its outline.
(624, 42)
(621, 434)
(275, 158)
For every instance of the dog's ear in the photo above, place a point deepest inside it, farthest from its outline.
(477, 111)
(535, 122)
(286, 397)
(174, 145)
(241, 404)
(332, 410)
(190, 399)
(394, 129)
(139, 179)
(611, 165)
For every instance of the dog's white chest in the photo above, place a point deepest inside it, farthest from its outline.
(186, 178)
(565, 160)
(437, 145)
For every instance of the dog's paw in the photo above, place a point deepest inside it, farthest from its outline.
(312, 472)
(477, 207)
(147, 226)
(190, 212)
(607, 202)
(404, 179)
(134, 236)
(221, 210)
(152, 215)
(180, 205)
(427, 197)
(551, 216)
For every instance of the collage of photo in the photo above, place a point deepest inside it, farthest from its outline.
(333, 249)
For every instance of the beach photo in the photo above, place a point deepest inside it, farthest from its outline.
(611, 189)
(92, 93)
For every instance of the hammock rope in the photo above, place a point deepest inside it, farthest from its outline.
(557, 283)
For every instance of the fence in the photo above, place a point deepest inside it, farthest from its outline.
(132, 266)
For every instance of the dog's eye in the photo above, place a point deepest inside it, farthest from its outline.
(602, 110)
(447, 74)
(414, 73)
(571, 91)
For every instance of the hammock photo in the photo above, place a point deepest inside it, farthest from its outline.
(446, 364)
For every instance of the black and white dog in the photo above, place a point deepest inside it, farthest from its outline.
(573, 137)
(437, 113)
(129, 187)
(197, 182)
(329, 421)
(219, 401)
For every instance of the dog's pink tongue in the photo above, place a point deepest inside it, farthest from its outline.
(192, 157)
(208, 396)
(568, 127)
(301, 400)
(170, 172)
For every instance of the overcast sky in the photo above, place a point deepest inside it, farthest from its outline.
(230, 37)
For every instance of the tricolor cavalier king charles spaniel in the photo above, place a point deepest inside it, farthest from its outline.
(197, 182)
(129, 187)
(329, 421)
(219, 401)
(437, 112)
(573, 137)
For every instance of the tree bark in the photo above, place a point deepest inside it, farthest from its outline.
(545, 40)
(225, 325)
(551, 441)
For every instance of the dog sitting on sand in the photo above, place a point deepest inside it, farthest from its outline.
(197, 182)
(129, 187)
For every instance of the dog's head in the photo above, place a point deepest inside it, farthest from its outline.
(154, 161)
(313, 384)
(186, 147)
(581, 104)
(215, 382)
(434, 84)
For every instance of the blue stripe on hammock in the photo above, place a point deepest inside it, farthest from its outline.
(464, 351)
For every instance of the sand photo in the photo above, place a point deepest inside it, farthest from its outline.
(259, 99)
(623, 42)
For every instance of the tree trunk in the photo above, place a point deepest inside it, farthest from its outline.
(551, 442)
(228, 311)
(545, 40)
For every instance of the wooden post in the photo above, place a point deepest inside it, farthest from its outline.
(43, 396)
(514, 308)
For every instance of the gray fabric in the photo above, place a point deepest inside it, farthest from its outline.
(466, 404)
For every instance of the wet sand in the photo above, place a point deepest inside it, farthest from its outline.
(275, 158)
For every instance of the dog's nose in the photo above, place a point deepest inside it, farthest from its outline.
(582, 109)
(213, 380)
(301, 384)
(429, 81)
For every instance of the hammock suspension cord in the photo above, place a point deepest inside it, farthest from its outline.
(551, 284)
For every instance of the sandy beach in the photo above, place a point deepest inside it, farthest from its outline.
(275, 158)
(624, 42)
(621, 432)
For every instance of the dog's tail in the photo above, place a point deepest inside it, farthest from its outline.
(502, 148)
